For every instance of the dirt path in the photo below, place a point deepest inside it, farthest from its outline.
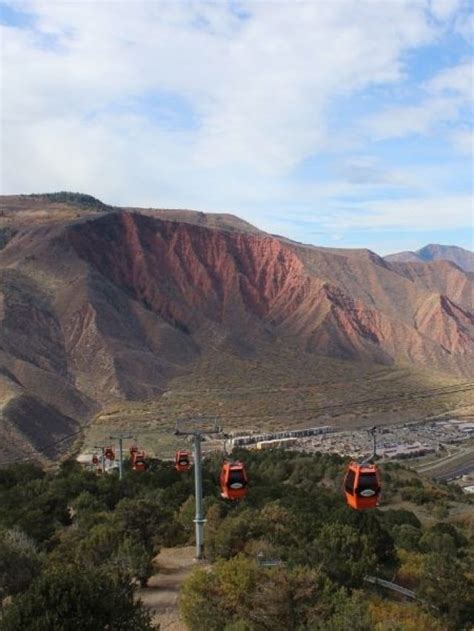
(161, 594)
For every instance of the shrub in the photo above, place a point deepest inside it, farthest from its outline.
(65, 599)
(20, 562)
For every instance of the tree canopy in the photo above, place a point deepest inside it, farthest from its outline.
(291, 555)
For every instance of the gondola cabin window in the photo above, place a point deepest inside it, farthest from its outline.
(182, 461)
(349, 483)
(368, 485)
(236, 479)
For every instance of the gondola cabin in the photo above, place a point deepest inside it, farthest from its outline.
(182, 461)
(362, 486)
(109, 453)
(138, 461)
(233, 481)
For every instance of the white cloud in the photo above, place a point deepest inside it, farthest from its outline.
(417, 213)
(85, 83)
(464, 24)
(443, 9)
(456, 80)
(446, 94)
(259, 86)
(463, 141)
(398, 122)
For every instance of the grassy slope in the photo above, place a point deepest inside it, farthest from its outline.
(248, 394)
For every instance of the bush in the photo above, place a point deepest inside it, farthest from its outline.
(239, 595)
(343, 553)
(20, 562)
(66, 599)
(407, 537)
(445, 586)
(400, 517)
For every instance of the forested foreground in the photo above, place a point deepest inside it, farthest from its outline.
(75, 546)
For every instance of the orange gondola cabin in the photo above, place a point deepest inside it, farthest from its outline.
(138, 460)
(233, 481)
(182, 461)
(109, 453)
(362, 486)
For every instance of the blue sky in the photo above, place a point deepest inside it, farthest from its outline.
(345, 124)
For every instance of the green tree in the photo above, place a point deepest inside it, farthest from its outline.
(290, 598)
(227, 537)
(98, 545)
(20, 562)
(132, 559)
(20, 474)
(439, 542)
(238, 594)
(400, 517)
(65, 599)
(344, 553)
(446, 586)
(199, 602)
(371, 525)
(278, 524)
(448, 529)
(406, 537)
(146, 522)
(31, 507)
(350, 612)
(186, 515)
(86, 502)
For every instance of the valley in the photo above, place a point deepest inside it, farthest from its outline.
(352, 399)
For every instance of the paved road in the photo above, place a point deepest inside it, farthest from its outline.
(456, 473)
(451, 466)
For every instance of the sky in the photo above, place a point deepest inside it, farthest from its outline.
(341, 123)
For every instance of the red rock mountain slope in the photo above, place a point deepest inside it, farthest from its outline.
(99, 304)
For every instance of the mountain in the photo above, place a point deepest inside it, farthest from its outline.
(101, 305)
(434, 252)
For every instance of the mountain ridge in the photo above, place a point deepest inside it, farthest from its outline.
(433, 252)
(103, 306)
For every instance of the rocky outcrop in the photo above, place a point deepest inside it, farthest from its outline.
(187, 275)
(444, 322)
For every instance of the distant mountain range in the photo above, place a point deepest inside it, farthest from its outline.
(435, 252)
(100, 304)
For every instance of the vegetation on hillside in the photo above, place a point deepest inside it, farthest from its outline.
(68, 197)
(74, 546)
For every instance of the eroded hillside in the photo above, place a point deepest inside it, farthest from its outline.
(100, 304)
